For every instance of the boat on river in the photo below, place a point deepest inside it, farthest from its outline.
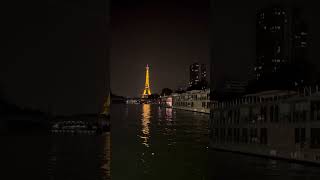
(84, 123)
(195, 100)
(278, 124)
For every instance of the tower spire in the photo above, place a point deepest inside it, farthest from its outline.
(146, 91)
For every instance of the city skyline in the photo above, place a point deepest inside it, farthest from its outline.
(169, 36)
(178, 87)
(141, 34)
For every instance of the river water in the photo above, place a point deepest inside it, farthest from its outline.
(149, 142)
(146, 142)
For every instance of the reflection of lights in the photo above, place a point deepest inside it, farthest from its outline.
(168, 113)
(169, 101)
(145, 123)
(107, 164)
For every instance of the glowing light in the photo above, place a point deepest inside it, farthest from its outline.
(145, 124)
(107, 165)
(147, 91)
(169, 101)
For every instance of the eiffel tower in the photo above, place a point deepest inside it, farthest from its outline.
(146, 91)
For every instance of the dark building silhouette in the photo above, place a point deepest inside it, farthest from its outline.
(198, 76)
(300, 45)
(229, 89)
(281, 48)
(272, 40)
(194, 74)
(300, 40)
(203, 73)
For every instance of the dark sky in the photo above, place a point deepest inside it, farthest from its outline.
(167, 35)
(56, 54)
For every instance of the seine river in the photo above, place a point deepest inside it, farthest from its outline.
(149, 142)
(146, 142)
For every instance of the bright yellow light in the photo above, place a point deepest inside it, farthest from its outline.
(147, 91)
(145, 124)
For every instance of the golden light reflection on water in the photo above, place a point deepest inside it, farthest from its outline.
(146, 115)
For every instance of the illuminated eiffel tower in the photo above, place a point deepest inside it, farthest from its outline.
(146, 91)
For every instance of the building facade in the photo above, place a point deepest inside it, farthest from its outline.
(198, 76)
(195, 100)
(273, 30)
(281, 42)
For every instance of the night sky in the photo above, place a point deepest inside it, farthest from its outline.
(56, 55)
(56, 52)
(167, 35)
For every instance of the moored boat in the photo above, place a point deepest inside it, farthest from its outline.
(195, 100)
(277, 124)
